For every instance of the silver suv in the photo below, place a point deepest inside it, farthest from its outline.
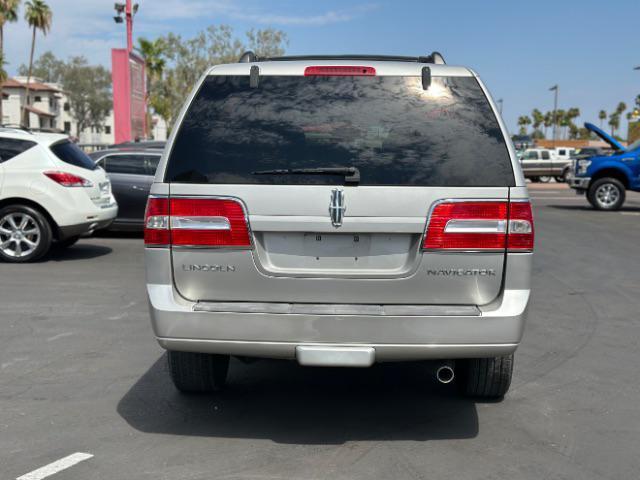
(340, 211)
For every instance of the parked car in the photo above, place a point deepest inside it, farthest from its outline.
(543, 164)
(141, 144)
(522, 142)
(588, 152)
(605, 178)
(131, 173)
(51, 193)
(364, 216)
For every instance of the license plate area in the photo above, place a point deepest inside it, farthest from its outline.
(358, 254)
(335, 245)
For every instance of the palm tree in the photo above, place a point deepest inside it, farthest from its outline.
(614, 122)
(602, 115)
(8, 14)
(572, 114)
(548, 121)
(538, 120)
(38, 15)
(558, 121)
(153, 53)
(523, 121)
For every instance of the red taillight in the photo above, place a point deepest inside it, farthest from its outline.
(198, 222)
(480, 225)
(68, 179)
(339, 71)
(208, 222)
(521, 231)
(156, 222)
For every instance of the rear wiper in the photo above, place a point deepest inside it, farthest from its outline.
(351, 174)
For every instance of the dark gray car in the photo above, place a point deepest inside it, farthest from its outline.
(131, 173)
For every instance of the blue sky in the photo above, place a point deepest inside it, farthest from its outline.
(519, 48)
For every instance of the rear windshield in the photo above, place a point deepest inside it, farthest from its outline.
(390, 128)
(72, 154)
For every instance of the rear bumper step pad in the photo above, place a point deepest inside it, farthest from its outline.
(339, 309)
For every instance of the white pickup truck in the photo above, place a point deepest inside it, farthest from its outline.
(542, 164)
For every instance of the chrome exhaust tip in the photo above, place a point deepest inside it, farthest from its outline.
(445, 374)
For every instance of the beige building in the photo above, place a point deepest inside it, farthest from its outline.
(49, 108)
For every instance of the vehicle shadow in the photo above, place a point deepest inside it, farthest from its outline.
(625, 208)
(80, 251)
(286, 403)
(119, 234)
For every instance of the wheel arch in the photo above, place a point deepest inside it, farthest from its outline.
(55, 229)
(613, 173)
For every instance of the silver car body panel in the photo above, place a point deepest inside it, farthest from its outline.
(385, 297)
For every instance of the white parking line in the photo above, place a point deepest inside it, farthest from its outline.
(630, 213)
(55, 467)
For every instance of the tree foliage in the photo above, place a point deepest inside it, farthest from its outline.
(8, 14)
(39, 16)
(47, 67)
(185, 60)
(88, 89)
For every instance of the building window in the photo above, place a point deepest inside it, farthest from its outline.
(37, 99)
(107, 129)
(66, 106)
(67, 127)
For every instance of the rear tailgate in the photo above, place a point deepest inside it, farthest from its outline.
(375, 257)
(413, 148)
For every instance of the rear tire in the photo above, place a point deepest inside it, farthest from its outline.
(198, 372)
(606, 194)
(544, 178)
(25, 234)
(488, 377)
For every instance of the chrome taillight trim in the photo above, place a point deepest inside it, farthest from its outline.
(475, 226)
(199, 223)
(251, 246)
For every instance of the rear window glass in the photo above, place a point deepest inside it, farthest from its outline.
(72, 154)
(11, 147)
(390, 128)
(127, 164)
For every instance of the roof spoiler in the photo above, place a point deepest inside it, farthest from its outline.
(434, 58)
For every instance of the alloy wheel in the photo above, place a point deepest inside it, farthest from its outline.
(19, 235)
(607, 195)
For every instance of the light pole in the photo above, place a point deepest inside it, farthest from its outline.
(555, 89)
(129, 11)
(500, 102)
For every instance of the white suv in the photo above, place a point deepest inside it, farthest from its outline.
(50, 192)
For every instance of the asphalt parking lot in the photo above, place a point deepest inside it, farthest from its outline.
(81, 372)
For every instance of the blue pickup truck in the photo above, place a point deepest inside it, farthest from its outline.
(606, 178)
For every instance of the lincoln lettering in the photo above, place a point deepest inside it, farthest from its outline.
(463, 272)
(209, 268)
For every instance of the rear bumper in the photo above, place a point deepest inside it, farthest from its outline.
(86, 220)
(85, 228)
(488, 331)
